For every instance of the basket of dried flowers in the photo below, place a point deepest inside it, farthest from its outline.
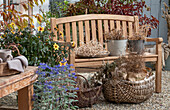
(127, 80)
(91, 49)
(87, 95)
(116, 42)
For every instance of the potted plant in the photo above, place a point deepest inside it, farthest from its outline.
(126, 80)
(136, 42)
(116, 42)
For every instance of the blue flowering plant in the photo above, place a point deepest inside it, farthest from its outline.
(55, 88)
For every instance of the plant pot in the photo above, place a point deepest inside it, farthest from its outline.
(117, 47)
(136, 46)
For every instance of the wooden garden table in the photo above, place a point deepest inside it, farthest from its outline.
(23, 84)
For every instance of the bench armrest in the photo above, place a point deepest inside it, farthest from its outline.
(158, 44)
(157, 40)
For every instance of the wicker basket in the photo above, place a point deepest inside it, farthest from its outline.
(87, 96)
(4, 70)
(128, 91)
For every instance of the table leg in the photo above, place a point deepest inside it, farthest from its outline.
(24, 98)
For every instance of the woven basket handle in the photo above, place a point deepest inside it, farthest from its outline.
(15, 48)
(90, 98)
(83, 78)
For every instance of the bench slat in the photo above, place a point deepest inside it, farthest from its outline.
(93, 27)
(146, 55)
(100, 31)
(60, 26)
(67, 28)
(136, 24)
(118, 25)
(53, 24)
(81, 33)
(130, 29)
(124, 27)
(87, 31)
(106, 27)
(112, 24)
(74, 32)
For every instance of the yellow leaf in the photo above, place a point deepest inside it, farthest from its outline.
(9, 10)
(24, 15)
(41, 1)
(39, 19)
(36, 2)
(31, 19)
(25, 6)
(31, 4)
(40, 16)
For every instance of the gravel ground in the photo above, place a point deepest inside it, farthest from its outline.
(159, 101)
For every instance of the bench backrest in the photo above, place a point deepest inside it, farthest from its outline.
(83, 28)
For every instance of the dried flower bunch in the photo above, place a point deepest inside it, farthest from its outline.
(91, 49)
(132, 63)
(105, 72)
(131, 68)
(114, 34)
(167, 18)
(141, 34)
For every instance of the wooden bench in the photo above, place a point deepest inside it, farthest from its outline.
(83, 28)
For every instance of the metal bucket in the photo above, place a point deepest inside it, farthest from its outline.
(117, 47)
(136, 46)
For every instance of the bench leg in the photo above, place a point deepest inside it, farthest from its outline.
(158, 70)
(24, 98)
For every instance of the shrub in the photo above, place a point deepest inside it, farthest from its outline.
(119, 7)
(54, 86)
(38, 47)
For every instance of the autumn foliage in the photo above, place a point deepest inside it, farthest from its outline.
(11, 15)
(119, 7)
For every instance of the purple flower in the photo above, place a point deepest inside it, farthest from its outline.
(58, 66)
(49, 82)
(42, 64)
(73, 73)
(49, 87)
(51, 73)
(66, 89)
(69, 75)
(71, 65)
(76, 88)
(75, 77)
